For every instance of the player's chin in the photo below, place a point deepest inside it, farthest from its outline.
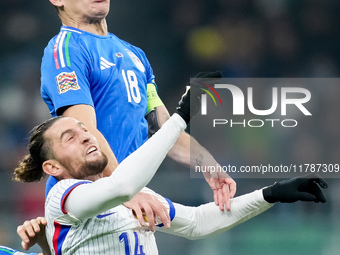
(101, 8)
(95, 165)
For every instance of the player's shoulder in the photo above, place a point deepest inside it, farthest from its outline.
(67, 184)
(64, 186)
(59, 48)
(66, 35)
(130, 46)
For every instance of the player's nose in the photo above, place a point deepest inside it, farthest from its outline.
(85, 137)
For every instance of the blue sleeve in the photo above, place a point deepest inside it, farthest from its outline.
(65, 71)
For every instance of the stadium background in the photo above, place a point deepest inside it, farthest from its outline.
(243, 38)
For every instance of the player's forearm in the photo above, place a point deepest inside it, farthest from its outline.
(186, 150)
(189, 152)
(130, 176)
(180, 152)
(207, 220)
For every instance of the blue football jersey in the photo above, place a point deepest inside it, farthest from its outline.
(105, 72)
(4, 250)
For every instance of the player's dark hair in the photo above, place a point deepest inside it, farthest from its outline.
(30, 168)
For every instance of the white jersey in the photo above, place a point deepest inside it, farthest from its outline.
(115, 231)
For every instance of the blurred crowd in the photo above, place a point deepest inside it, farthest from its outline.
(243, 38)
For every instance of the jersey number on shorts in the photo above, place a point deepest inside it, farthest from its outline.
(131, 83)
(138, 248)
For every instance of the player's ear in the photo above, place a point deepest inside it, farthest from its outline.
(57, 3)
(52, 167)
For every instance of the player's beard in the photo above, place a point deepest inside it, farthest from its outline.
(94, 167)
(89, 168)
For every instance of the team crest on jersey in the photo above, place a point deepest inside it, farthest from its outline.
(67, 81)
(119, 55)
(137, 61)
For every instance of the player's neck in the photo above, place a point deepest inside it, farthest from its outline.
(94, 27)
(94, 178)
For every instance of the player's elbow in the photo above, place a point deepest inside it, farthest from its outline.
(193, 235)
(196, 233)
(198, 229)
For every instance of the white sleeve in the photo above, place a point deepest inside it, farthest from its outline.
(128, 179)
(208, 219)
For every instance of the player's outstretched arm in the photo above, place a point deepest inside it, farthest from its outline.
(189, 152)
(207, 220)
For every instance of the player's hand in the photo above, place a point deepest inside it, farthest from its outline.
(306, 188)
(187, 109)
(147, 208)
(190, 102)
(224, 188)
(32, 232)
